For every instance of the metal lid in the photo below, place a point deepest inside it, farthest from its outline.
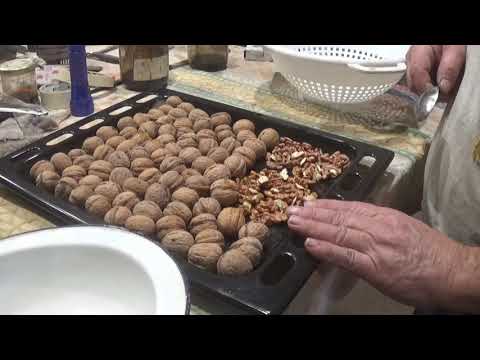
(17, 64)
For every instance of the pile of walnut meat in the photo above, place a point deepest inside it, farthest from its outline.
(173, 173)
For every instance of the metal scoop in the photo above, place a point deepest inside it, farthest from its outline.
(426, 102)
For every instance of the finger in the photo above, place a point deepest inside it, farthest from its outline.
(451, 65)
(421, 64)
(341, 205)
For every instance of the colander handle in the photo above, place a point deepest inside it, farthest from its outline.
(400, 67)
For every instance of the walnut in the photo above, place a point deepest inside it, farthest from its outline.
(167, 129)
(177, 113)
(200, 124)
(140, 223)
(217, 171)
(150, 128)
(270, 137)
(75, 172)
(101, 168)
(90, 180)
(140, 118)
(196, 114)
(234, 263)
(221, 119)
(115, 141)
(236, 165)
(173, 148)
(189, 154)
(223, 134)
(61, 161)
(225, 191)
(150, 175)
(254, 229)
(202, 222)
(119, 175)
(172, 163)
(152, 145)
(179, 209)
(248, 155)
(258, 146)
(148, 208)
(168, 224)
(244, 135)
(47, 180)
(84, 161)
(159, 194)
(202, 163)
(198, 183)
(80, 194)
(243, 124)
(97, 205)
(154, 114)
(230, 220)
(164, 120)
(186, 195)
(165, 108)
(141, 138)
(171, 180)
(205, 256)
(210, 236)
(75, 153)
(205, 145)
(224, 127)
(218, 154)
(174, 101)
(186, 106)
(206, 205)
(129, 132)
(186, 139)
(178, 242)
(126, 121)
(91, 143)
(182, 122)
(136, 186)
(64, 187)
(137, 152)
(250, 247)
(109, 189)
(126, 145)
(103, 152)
(206, 134)
(159, 155)
(230, 144)
(119, 159)
(106, 132)
(117, 215)
(166, 139)
(127, 199)
(140, 164)
(41, 166)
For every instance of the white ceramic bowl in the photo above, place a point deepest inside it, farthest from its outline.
(88, 270)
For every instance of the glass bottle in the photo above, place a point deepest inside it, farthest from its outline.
(144, 67)
(208, 57)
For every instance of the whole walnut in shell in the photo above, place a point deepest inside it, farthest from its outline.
(172, 180)
(223, 134)
(159, 155)
(187, 140)
(140, 164)
(138, 152)
(258, 146)
(155, 113)
(159, 194)
(202, 222)
(117, 215)
(127, 199)
(244, 135)
(179, 209)
(178, 242)
(210, 236)
(75, 153)
(182, 122)
(206, 134)
(230, 220)
(186, 106)
(127, 145)
(250, 247)
(141, 138)
(225, 191)
(202, 163)
(48, 180)
(169, 223)
(216, 172)
(186, 195)
(80, 194)
(152, 145)
(41, 166)
(184, 130)
(164, 120)
(84, 161)
(196, 114)
(237, 166)
(165, 108)
(270, 137)
(119, 175)
(114, 141)
(150, 175)
(205, 256)
(205, 145)
(230, 144)
(254, 229)
(203, 123)
(150, 128)
(220, 119)
(140, 223)
(75, 172)
(61, 161)
(167, 129)
(243, 124)
(177, 113)
(173, 148)
(207, 206)
(119, 159)
(108, 189)
(174, 101)
(189, 173)
(103, 152)
(140, 118)
(64, 187)
(106, 132)
(198, 183)
(97, 205)
(126, 121)
(101, 168)
(234, 263)
(172, 163)
(91, 143)
(148, 208)
(90, 180)
(248, 155)
(135, 185)
(189, 154)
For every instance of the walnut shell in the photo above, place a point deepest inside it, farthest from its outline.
(127, 199)
(188, 173)
(41, 166)
(101, 168)
(148, 208)
(137, 152)
(159, 155)
(216, 172)
(140, 118)
(205, 145)
(198, 183)
(126, 121)
(135, 185)
(234, 263)
(165, 108)
(150, 175)
(172, 180)
(186, 139)
(218, 154)
(244, 135)
(114, 141)
(205, 256)
(75, 172)
(126, 145)
(220, 119)
(159, 194)
(254, 229)
(119, 175)
(177, 113)
(173, 101)
(106, 132)
(230, 144)
(103, 152)
(90, 180)
(141, 138)
(152, 145)
(182, 122)
(237, 166)
(173, 148)
(172, 163)
(223, 134)
(61, 161)
(206, 134)
(270, 137)
(186, 106)
(140, 164)
(164, 120)
(129, 132)
(178, 242)
(91, 143)
(154, 114)
(119, 159)
(140, 223)
(47, 180)
(258, 146)
(186, 195)
(202, 163)
(179, 209)
(64, 187)
(210, 236)
(108, 189)
(243, 124)
(189, 154)
(251, 248)
(150, 128)
(75, 153)
(165, 139)
(117, 215)
(230, 220)
(207, 206)
(80, 194)
(203, 123)
(168, 224)
(167, 129)
(248, 155)
(220, 128)
(196, 114)
(97, 205)
(84, 161)
(225, 191)
(202, 222)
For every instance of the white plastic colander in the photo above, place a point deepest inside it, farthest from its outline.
(340, 73)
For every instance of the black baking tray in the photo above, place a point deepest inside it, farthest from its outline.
(286, 265)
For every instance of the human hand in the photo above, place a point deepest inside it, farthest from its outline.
(397, 254)
(435, 64)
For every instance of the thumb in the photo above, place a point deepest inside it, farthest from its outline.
(450, 67)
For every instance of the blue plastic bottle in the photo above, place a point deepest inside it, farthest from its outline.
(81, 103)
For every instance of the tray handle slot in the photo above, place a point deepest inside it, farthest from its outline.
(91, 124)
(277, 269)
(120, 110)
(146, 99)
(27, 154)
(59, 139)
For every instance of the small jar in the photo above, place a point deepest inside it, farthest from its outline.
(19, 80)
(208, 57)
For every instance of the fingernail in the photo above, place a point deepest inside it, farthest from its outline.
(293, 210)
(309, 242)
(294, 220)
(445, 86)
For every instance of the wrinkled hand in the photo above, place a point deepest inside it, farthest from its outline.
(435, 64)
(397, 254)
